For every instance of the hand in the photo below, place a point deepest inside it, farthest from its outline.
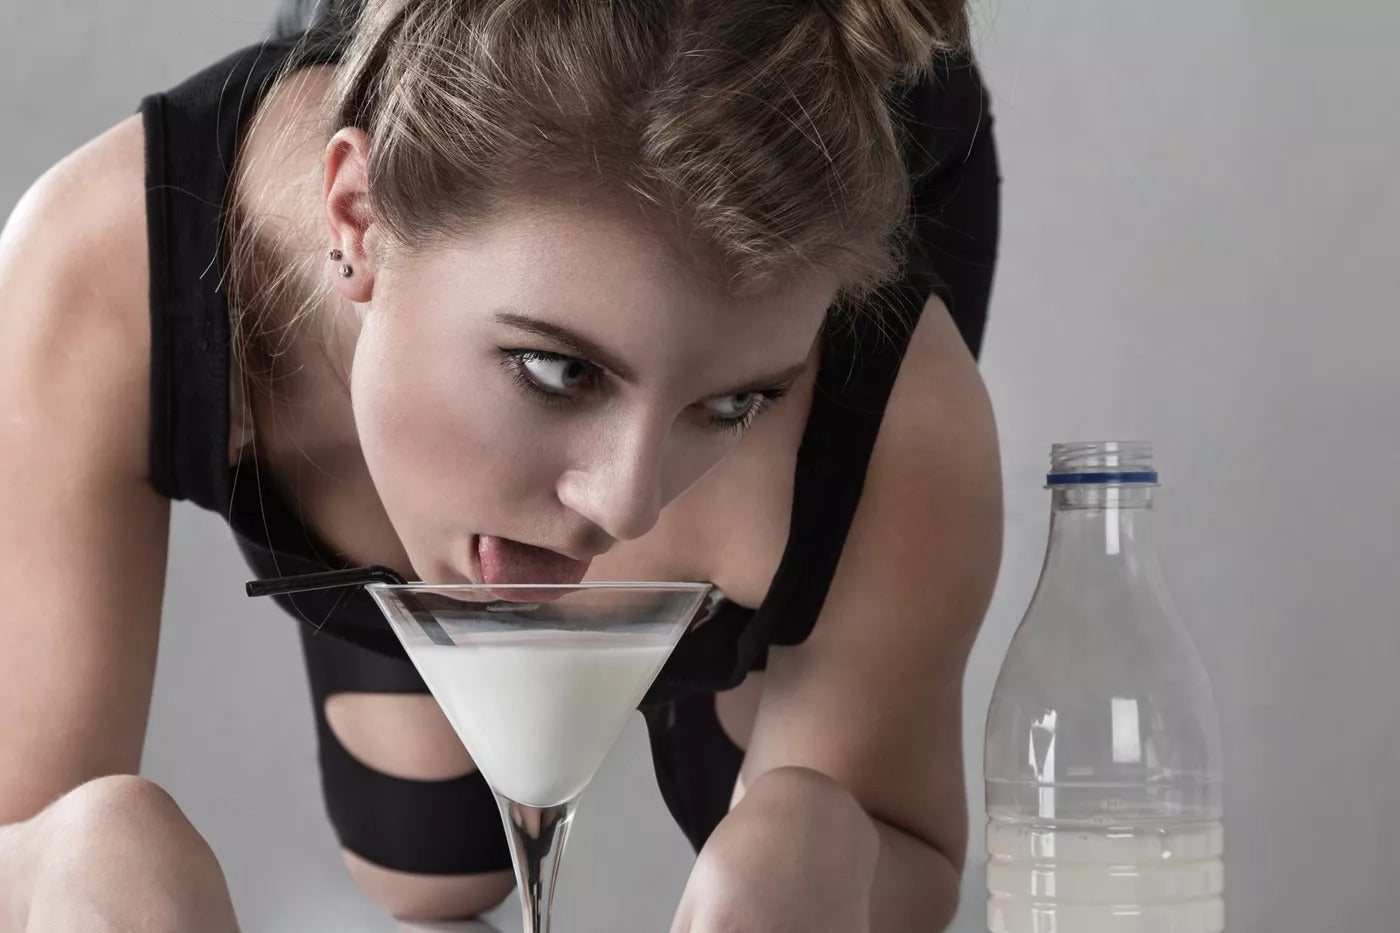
(797, 854)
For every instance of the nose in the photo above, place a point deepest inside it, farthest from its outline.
(618, 488)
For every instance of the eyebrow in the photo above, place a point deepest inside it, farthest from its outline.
(581, 346)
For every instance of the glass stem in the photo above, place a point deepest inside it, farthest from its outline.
(537, 836)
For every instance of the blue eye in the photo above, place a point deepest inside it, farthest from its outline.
(556, 379)
(737, 412)
(734, 407)
(552, 372)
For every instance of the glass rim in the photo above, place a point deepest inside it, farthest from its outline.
(675, 586)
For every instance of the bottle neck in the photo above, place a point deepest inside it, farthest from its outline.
(1101, 523)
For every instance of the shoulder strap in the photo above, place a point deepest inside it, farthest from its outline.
(191, 133)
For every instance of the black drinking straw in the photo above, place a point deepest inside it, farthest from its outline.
(354, 576)
(302, 582)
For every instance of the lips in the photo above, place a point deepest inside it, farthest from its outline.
(505, 561)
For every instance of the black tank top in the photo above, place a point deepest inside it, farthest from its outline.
(191, 132)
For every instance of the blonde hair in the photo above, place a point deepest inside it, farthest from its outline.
(762, 126)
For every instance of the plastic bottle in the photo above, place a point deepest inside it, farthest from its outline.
(1103, 757)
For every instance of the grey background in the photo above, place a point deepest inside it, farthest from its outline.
(1199, 250)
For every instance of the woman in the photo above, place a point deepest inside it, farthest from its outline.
(520, 290)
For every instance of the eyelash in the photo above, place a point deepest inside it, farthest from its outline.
(514, 361)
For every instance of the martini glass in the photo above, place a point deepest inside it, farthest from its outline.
(537, 681)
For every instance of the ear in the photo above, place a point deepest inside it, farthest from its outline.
(349, 218)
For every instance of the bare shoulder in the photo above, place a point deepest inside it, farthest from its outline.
(75, 285)
(92, 197)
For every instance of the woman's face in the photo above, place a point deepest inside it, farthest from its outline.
(556, 380)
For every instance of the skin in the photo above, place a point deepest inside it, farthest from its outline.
(472, 421)
(401, 433)
(436, 439)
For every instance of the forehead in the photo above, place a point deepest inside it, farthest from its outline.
(619, 274)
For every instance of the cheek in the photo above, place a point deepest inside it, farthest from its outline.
(442, 445)
(690, 457)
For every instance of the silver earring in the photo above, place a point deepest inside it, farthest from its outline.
(346, 271)
(336, 255)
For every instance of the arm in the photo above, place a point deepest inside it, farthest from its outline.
(82, 550)
(873, 698)
(856, 752)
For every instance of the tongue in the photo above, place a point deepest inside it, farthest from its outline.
(507, 561)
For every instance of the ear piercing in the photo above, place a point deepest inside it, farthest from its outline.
(345, 270)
